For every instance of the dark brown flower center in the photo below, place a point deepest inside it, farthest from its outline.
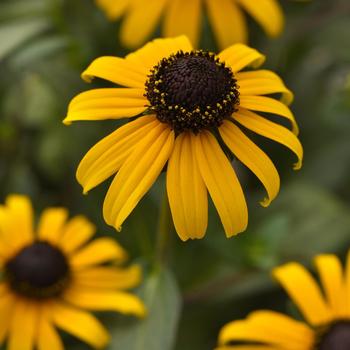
(192, 91)
(337, 337)
(39, 270)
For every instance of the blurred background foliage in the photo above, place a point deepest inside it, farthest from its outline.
(45, 45)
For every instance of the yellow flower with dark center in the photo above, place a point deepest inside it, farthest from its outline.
(186, 102)
(227, 18)
(52, 276)
(326, 311)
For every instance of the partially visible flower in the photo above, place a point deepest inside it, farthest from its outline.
(52, 276)
(326, 312)
(195, 102)
(227, 18)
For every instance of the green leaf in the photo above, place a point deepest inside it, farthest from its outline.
(157, 331)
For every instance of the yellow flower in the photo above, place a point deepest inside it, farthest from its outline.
(227, 18)
(51, 276)
(326, 311)
(185, 101)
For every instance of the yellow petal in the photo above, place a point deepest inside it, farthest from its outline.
(138, 174)
(183, 17)
(101, 104)
(228, 22)
(247, 347)
(48, 337)
(186, 190)
(240, 56)
(107, 156)
(81, 324)
(22, 333)
(118, 71)
(271, 130)
(6, 308)
(141, 21)
(122, 302)
(108, 277)
(270, 328)
(51, 224)
(304, 291)
(267, 13)
(333, 282)
(253, 157)
(222, 183)
(269, 105)
(99, 251)
(263, 82)
(113, 9)
(347, 284)
(77, 231)
(154, 51)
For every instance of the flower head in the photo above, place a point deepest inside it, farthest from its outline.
(51, 277)
(227, 18)
(326, 312)
(186, 104)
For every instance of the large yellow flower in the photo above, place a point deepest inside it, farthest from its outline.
(187, 103)
(326, 311)
(50, 276)
(227, 18)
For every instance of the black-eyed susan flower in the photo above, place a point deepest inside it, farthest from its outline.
(52, 277)
(186, 104)
(227, 18)
(326, 311)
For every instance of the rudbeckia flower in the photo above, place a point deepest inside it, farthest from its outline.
(53, 276)
(227, 18)
(185, 104)
(326, 311)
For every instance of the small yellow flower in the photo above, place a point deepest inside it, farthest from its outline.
(326, 311)
(185, 102)
(51, 276)
(227, 18)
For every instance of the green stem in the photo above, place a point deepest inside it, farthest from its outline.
(165, 226)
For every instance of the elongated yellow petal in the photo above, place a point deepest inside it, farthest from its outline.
(141, 21)
(228, 23)
(186, 190)
(304, 291)
(99, 251)
(270, 328)
(22, 333)
(48, 337)
(333, 282)
(81, 324)
(267, 13)
(107, 156)
(183, 17)
(113, 9)
(76, 232)
(347, 284)
(138, 174)
(51, 224)
(269, 105)
(105, 301)
(253, 157)
(118, 71)
(108, 277)
(240, 56)
(101, 104)
(271, 130)
(263, 82)
(153, 52)
(6, 308)
(222, 183)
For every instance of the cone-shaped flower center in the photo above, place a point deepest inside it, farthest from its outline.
(39, 270)
(192, 91)
(336, 338)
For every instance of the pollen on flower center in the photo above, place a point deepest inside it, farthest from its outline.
(39, 270)
(337, 337)
(192, 91)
